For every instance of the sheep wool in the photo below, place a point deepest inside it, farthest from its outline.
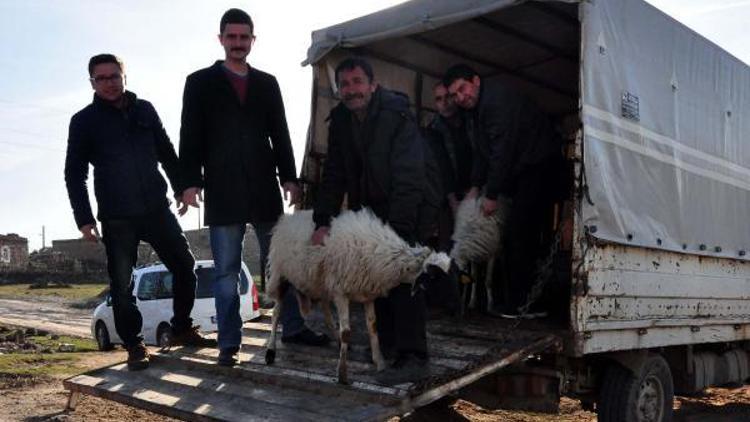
(361, 259)
(476, 237)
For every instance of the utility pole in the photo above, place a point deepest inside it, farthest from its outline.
(43, 238)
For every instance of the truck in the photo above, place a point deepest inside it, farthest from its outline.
(651, 278)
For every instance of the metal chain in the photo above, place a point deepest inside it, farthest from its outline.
(544, 274)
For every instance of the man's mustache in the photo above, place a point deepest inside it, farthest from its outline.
(240, 49)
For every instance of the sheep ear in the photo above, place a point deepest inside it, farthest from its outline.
(440, 260)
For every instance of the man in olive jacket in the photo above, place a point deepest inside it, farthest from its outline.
(234, 138)
(376, 157)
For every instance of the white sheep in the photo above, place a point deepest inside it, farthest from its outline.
(476, 238)
(362, 259)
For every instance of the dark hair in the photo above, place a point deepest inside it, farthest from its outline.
(458, 71)
(352, 63)
(104, 58)
(439, 83)
(235, 16)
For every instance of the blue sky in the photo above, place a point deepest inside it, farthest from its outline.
(46, 45)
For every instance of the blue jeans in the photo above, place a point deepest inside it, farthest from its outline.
(226, 245)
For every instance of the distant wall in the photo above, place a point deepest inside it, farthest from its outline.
(14, 252)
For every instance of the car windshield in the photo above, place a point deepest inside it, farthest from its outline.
(158, 285)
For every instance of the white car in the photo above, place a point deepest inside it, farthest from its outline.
(153, 292)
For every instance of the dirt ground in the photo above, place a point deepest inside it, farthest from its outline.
(44, 399)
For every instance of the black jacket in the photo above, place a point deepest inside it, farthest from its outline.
(124, 146)
(509, 134)
(233, 150)
(387, 175)
(453, 153)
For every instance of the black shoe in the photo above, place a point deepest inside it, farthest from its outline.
(228, 356)
(407, 367)
(138, 357)
(308, 338)
(405, 360)
(191, 337)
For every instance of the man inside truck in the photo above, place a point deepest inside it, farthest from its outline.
(449, 141)
(376, 157)
(517, 154)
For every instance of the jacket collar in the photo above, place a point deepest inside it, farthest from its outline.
(130, 99)
(219, 75)
(372, 108)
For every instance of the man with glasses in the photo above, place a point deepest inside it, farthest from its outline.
(234, 138)
(122, 137)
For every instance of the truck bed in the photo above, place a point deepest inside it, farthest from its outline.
(301, 385)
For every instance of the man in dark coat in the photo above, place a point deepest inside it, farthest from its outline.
(233, 140)
(376, 157)
(518, 154)
(123, 138)
(448, 138)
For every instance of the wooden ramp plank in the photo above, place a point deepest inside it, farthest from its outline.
(299, 378)
(191, 394)
(180, 401)
(302, 384)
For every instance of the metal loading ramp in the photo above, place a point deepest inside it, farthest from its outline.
(301, 385)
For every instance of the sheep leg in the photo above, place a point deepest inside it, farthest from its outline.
(342, 306)
(325, 306)
(372, 330)
(488, 284)
(474, 269)
(271, 342)
(464, 293)
(304, 304)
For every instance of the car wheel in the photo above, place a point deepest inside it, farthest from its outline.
(643, 397)
(164, 335)
(102, 337)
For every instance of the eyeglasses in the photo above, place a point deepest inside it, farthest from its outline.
(115, 78)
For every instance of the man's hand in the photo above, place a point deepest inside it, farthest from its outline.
(191, 196)
(292, 193)
(489, 206)
(318, 237)
(182, 207)
(472, 193)
(90, 232)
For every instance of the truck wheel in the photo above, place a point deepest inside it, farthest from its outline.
(643, 397)
(102, 337)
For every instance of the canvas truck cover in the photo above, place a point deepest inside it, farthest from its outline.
(666, 118)
(665, 113)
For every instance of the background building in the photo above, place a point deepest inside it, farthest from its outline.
(14, 252)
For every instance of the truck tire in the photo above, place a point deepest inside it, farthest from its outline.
(643, 397)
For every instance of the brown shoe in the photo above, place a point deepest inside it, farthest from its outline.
(191, 337)
(138, 357)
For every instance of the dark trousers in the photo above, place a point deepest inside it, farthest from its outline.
(401, 321)
(401, 316)
(529, 218)
(121, 238)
